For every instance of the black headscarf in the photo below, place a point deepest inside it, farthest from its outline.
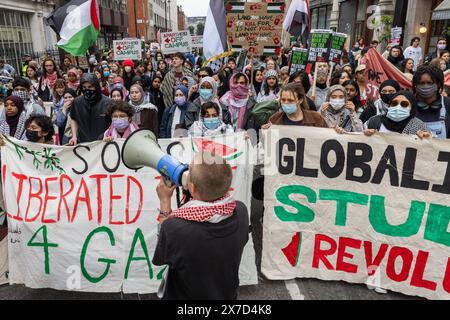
(13, 121)
(400, 126)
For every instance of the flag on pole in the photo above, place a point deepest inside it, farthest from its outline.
(78, 25)
(158, 36)
(297, 21)
(215, 33)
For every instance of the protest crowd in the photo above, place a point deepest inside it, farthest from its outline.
(185, 95)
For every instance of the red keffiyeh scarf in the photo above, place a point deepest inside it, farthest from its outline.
(201, 211)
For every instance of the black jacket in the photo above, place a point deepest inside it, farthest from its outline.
(91, 116)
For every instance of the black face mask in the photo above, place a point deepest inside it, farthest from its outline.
(387, 97)
(32, 136)
(89, 94)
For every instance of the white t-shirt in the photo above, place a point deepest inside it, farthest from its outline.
(415, 54)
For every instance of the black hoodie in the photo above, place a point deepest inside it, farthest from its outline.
(91, 116)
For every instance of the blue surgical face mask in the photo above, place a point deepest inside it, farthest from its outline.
(106, 73)
(180, 101)
(211, 123)
(398, 113)
(120, 123)
(206, 94)
(289, 108)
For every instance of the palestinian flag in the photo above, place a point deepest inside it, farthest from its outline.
(77, 24)
(210, 146)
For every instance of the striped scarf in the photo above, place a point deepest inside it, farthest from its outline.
(169, 83)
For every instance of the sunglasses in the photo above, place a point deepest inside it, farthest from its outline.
(404, 104)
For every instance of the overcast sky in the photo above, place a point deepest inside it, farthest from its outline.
(194, 8)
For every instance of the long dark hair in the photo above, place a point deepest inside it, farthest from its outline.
(357, 99)
(305, 80)
(403, 65)
(276, 89)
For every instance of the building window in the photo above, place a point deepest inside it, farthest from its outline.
(15, 37)
(320, 17)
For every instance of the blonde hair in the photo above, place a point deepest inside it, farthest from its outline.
(211, 175)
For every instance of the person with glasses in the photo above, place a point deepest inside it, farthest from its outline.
(400, 118)
(388, 89)
(414, 52)
(122, 125)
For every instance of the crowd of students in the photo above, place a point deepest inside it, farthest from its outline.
(174, 96)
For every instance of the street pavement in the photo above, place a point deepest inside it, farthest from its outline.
(298, 289)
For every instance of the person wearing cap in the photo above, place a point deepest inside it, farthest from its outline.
(27, 59)
(22, 87)
(13, 123)
(388, 89)
(270, 88)
(128, 73)
(361, 80)
(339, 112)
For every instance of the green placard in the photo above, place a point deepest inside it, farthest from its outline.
(319, 45)
(299, 60)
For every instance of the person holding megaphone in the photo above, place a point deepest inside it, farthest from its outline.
(203, 240)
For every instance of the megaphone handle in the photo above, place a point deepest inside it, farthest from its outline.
(167, 182)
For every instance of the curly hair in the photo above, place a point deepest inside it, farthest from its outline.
(44, 122)
(437, 75)
(120, 106)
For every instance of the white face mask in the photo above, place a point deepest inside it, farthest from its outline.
(337, 104)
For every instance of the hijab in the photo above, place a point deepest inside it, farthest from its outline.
(142, 100)
(400, 126)
(214, 86)
(13, 121)
(75, 84)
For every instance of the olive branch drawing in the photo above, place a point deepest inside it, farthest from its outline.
(45, 157)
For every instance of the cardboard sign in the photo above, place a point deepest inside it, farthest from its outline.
(79, 220)
(370, 210)
(127, 49)
(255, 26)
(319, 45)
(299, 60)
(337, 46)
(197, 41)
(173, 42)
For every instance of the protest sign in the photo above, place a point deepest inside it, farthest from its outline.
(197, 41)
(255, 26)
(379, 70)
(396, 35)
(154, 46)
(79, 220)
(127, 49)
(371, 210)
(299, 60)
(319, 45)
(173, 42)
(337, 45)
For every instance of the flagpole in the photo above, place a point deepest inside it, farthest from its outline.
(313, 95)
